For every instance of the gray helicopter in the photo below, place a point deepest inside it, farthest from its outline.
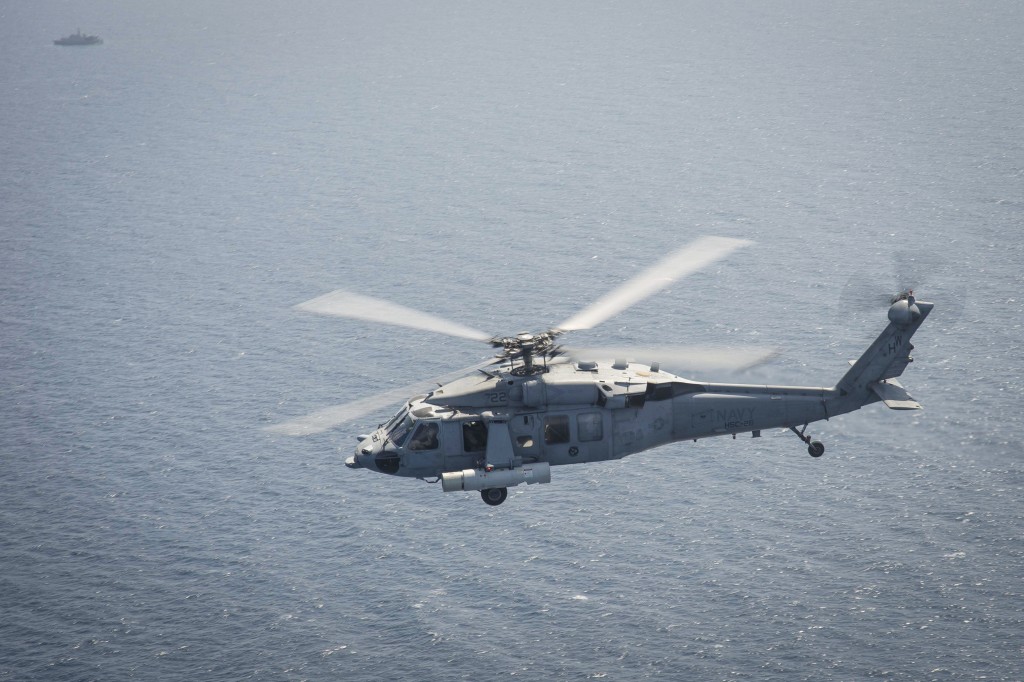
(537, 404)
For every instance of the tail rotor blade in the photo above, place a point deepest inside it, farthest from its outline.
(879, 282)
(683, 262)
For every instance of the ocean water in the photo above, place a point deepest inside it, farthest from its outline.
(165, 198)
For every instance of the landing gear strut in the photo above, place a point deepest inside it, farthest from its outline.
(494, 496)
(815, 448)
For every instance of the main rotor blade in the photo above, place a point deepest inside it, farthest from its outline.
(329, 417)
(346, 304)
(685, 261)
(683, 357)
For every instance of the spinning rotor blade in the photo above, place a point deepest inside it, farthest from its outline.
(329, 417)
(685, 261)
(346, 304)
(879, 282)
(688, 357)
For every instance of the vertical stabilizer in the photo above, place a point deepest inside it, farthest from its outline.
(886, 358)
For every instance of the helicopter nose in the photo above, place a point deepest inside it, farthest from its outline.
(358, 458)
(374, 459)
(361, 458)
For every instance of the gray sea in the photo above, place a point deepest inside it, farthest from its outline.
(168, 196)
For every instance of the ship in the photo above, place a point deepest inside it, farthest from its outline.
(79, 38)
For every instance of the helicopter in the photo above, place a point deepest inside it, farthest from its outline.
(537, 403)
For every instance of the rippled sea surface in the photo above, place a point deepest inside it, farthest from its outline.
(168, 196)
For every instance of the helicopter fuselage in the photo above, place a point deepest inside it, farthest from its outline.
(575, 413)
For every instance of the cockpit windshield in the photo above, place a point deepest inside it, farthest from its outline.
(397, 418)
(399, 430)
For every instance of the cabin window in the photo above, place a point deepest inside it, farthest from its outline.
(590, 427)
(474, 436)
(556, 430)
(425, 437)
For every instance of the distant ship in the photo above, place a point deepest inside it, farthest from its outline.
(79, 38)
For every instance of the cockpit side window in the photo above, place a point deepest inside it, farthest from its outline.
(425, 437)
(474, 436)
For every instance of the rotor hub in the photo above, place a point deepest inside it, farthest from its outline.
(526, 347)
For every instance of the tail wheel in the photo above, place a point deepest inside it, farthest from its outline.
(816, 448)
(494, 496)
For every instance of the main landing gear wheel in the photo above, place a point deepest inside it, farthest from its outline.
(494, 496)
(815, 448)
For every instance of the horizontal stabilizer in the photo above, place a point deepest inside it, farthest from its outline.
(894, 395)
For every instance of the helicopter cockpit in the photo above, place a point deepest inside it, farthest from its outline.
(405, 432)
(402, 435)
(419, 439)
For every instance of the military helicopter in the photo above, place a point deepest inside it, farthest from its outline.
(538, 404)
